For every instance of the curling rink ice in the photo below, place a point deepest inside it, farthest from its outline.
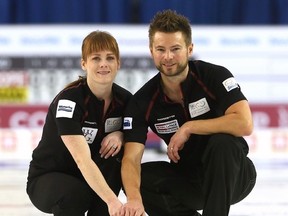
(269, 197)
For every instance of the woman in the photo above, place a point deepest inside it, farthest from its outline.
(76, 166)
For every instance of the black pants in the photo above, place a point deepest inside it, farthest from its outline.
(66, 195)
(226, 177)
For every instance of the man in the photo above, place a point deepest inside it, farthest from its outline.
(198, 109)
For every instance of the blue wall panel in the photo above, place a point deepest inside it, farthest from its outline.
(142, 11)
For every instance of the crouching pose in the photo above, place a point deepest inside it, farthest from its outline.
(76, 166)
(198, 109)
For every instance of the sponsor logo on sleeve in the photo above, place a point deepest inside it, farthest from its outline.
(113, 124)
(230, 84)
(65, 108)
(127, 123)
(167, 127)
(89, 134)
(198, 108)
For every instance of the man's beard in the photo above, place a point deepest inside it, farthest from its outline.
(179, 70)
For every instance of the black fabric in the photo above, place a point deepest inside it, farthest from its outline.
(66, 195)
(226, 177)
(55, 183)
(60, 194)
(87, 118)
(164, 117)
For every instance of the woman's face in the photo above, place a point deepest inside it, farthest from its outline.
(101, 67)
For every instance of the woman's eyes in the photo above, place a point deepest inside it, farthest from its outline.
(108, 58)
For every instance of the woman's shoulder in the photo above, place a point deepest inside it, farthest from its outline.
(121, 93)
(74, 92)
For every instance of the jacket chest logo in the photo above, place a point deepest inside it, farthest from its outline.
(113, 124)
(167, 127)
(89, 134)
(198, 108)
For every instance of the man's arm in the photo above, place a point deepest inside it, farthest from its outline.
(236, 121)
(131, 171)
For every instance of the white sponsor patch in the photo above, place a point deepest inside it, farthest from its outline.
(230, 84)
(127, 123)
(199, 107)
(65, 108)
(113, 124)
(89, 134)
(167, 127)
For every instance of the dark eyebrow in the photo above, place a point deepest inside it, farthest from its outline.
(174, 46)
(177, 45)
(159, 46)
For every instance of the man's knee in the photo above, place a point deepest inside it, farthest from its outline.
(223, 143)
(223, 146)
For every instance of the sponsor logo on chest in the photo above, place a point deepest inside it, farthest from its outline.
(198, 108)
(167, 127)
(113, 124)
(89, 134)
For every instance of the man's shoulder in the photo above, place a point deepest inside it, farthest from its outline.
(206, 66)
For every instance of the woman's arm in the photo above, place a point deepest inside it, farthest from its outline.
(80, 151)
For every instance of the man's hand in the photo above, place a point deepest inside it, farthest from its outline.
(177, 143)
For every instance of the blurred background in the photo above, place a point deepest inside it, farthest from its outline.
(40, 48)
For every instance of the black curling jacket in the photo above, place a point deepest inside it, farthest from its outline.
(208, 91)
(76, 111)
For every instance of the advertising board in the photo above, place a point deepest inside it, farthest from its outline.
(37, 61)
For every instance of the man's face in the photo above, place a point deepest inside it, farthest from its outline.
(170, 53)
